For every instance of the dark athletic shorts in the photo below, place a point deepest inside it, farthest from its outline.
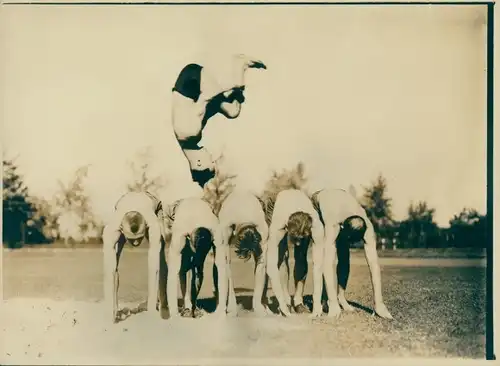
(188, 82)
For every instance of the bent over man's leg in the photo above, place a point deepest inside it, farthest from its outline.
(330, 269)
(174, 267)
(111, 239)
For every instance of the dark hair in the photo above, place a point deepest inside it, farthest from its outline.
(201, 237)
(247, 241)
(354, 228)
(134, 220)
(133, 226)
(299, 224)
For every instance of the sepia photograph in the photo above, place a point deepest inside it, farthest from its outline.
(237, 183)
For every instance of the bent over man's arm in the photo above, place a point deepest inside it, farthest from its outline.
(111, 236)
(318, 251)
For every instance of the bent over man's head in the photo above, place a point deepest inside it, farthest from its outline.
(299, 228)
(133, 227)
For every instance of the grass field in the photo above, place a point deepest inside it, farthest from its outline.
(438, 307)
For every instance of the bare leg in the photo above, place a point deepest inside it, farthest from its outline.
(273, 271)
(111, 238)
(372, 260)
(232, 305)
(265, 298)
(221, 261)
(174, 265)
(154, 269)
(196, 283)
(318, 251)
(187, 310)
(330, 270)
(183, 282)
(231, 302)
(260, 285)
(198, 277)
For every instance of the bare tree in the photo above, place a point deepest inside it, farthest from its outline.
(217, 189)
(44, 220)
(142, 178)
(74, 208)
(378, 206)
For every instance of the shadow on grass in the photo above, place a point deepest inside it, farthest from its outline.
(209, 304)
(360, 307)
(309, 303)
(244, 301)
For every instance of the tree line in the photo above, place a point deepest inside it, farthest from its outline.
(28, 219)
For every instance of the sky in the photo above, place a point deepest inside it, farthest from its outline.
(352, 91)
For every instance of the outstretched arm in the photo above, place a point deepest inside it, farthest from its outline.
(154, 225)
(318, 236)
(260, 271)
(275, 236)
(372, 260)
(111, 235)
(221, 260)
(174, 266)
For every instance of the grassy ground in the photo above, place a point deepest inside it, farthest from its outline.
(356, 252)
(438, 306)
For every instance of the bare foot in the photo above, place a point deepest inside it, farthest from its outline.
(197, 312)
(382, 311)
(334, 309)
(187, 313)
(345, 305)
(251, 62)
(286, 311)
